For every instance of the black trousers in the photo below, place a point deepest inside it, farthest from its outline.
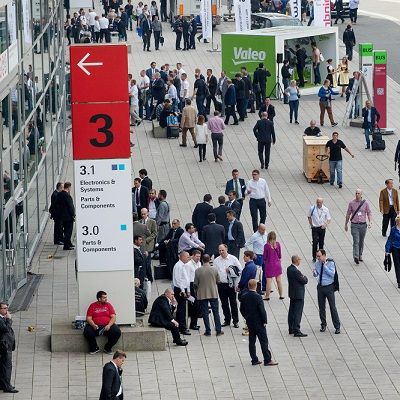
(230, 112)
(318, 237)
(233, 248)
(390, 216)
(174, 331)
(157, 35)
(208, 102)
(192, 40)
(5, 370)
(259, 332)
(295, 314)
(178, 40)
(68, 227)
(180, 309)
(255, 206)
(163, 12)
(193, 308)
(264, 150)
(300, 73)
(58, 231)
(241, 107)
(90, 334)
(396, 262)
(186, 43)
(146, 41)
(202, 151)
(327, 292)
(227, 295)
(241, 208)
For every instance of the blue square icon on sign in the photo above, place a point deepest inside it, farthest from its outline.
(123, 227)
(114, 167)
(121, 167)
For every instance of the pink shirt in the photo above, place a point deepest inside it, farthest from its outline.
(362, 213)
(216, 125)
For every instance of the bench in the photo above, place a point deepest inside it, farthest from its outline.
(66, 339)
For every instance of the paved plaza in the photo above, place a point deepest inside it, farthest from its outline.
(360, 363)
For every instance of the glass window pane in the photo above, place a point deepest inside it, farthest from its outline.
(32, 216)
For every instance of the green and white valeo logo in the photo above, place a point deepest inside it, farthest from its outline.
(243, 56)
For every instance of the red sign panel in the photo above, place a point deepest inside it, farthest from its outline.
(100, 130)
(99, 73)
(380, 98)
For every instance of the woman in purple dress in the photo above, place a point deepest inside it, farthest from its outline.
(272, 261)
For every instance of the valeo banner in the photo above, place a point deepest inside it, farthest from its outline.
(248, 51)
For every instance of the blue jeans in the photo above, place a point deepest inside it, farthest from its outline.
(335, 165)
(367, 131)
(215, 311)
(129, 22)
(317, 74)
(200, 105)
(294, 109)
(260, 262)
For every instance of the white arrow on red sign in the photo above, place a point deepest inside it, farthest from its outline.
(82, 64)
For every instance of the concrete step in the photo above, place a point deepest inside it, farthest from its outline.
(66, 339)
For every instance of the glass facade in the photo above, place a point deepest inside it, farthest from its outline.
(33, 124)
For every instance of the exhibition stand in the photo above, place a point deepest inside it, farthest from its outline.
(248, 49)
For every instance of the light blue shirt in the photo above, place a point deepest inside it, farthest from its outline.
(256, 243)
(230, 237)
(328, 274)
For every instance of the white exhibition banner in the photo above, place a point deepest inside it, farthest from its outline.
(26, 18)
(103, 202)
(242, 9)
(322, 13)
(206, 19)
(295, 7)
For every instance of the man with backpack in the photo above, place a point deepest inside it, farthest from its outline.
(328, 283)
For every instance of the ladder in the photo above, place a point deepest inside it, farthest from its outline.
(353, 103)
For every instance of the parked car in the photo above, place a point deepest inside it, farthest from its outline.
(345, 12)
(272, 20)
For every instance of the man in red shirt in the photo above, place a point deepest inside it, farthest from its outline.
(100, 320)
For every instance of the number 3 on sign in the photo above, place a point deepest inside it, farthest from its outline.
(105, 130)
(100, 131)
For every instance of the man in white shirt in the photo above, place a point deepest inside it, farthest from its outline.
(318, 218)
(227, 294)
(181, 285)
(91, 18)
(172, 95)
(256, 243)
(103, 22)
(192, 265)
(184, 94)
(144, 86)
(134, 103)
(179, 70)
(258, 190)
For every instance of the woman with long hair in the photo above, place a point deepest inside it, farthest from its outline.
(272, 262)
(343, 69)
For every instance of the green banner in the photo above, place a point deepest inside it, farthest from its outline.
(380, 57)
(249, 51)
(366, 49)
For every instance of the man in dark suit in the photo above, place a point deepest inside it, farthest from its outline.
(139, 259)
(146, 32)
(220, 214)
(230, 102)
(213, 236)
(233, 204)
(140, 194)
(240, 87)
(146, 181)
(239, 186)
(268, 108)
(235, 234)
(265, 134)
(252, 309)
(111, 388)
(249, 91)
(212, 85)
(200, 214)
(152, 70)
(7, 346)
(297, 282)
(301, 58)
(260, 82)
(67, 214)
(161, 315)
(54, 215)
(371, 118)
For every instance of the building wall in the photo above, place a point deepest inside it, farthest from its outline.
(33, 124)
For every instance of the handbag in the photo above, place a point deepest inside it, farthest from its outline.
(387, 262)
(162, 39)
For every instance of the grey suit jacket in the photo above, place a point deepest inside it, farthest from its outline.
(150, 239)
(138, 229)
(205, 282)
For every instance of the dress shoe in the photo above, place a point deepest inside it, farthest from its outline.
(337, 331)
(323, 328)
(270, 364)
(256, 362)
(69, 248)
(262, 166)
(59, 243)
(226, 324)
(398, 285)
(235, 123)
(195, 146)
(220, 158)
(207, 334)
(11, 391)
(300, 334)
(356, 260)
(236, 325)
(183, 145)
(281, 298)
(340, 186)
(360, 259)
(220, 333)
(291, 332)
(182, 343)
(195, 328)
(187, 332)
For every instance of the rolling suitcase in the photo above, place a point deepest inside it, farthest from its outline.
(378, 144)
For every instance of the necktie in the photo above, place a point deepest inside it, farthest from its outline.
(230, 204)
(173, 235)
(137, 197)
(321, 273)
(236, 185)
